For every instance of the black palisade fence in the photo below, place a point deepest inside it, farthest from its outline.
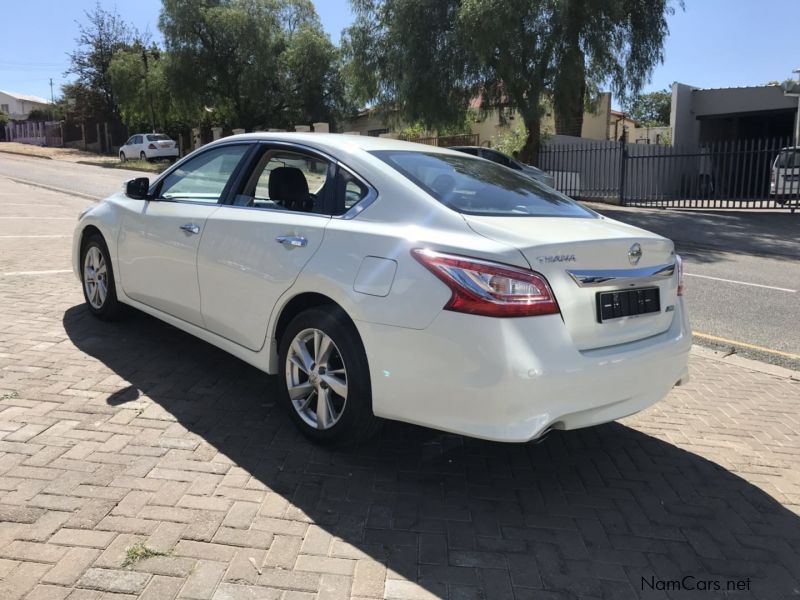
(736, 174)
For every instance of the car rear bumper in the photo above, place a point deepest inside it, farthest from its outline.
(161, 153)
(514, 379)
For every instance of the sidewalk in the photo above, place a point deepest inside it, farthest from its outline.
(139, 462)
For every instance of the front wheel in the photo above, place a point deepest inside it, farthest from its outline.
(142, 156)
(325, 381)
(122, 157)
(98, 280)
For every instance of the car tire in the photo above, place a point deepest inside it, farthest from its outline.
(97, 275)
(142, 155)
(343, 419)
(122, 157)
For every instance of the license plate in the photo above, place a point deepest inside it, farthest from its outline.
(627, 303)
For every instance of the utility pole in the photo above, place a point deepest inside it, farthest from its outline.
(52, 100)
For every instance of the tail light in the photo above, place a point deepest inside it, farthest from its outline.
(679, 265)
(152, 147)
(490, 289)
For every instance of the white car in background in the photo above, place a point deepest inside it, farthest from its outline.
(148, 146)
(784, 181)
(383, 279)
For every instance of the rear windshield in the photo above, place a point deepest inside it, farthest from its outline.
(156, 137)
(479, 187)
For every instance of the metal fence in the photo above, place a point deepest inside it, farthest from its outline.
(445, 141)
(732, 174)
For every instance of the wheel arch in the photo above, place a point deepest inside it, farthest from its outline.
(293, 307)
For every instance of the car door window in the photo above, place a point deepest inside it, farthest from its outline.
(130, 141)
(288, 180)
(203, 179)
(137, 139)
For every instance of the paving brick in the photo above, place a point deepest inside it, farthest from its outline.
(48, 592)
(316, 541)
(369, 579)
(69, 569)
(283, 552)
(32, 551)
(229, 591)
(203, 581)
(251, 538)
(114, 580)
(21, 580)
(324, 564)
(203, 550)
(83, 537)
(240, 515)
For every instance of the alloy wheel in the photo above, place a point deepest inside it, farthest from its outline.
(95, 277)
(316, 378)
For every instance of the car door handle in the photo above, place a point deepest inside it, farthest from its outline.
(292, 241)
(191, 228)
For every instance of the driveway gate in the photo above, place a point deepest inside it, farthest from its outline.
(735, 174)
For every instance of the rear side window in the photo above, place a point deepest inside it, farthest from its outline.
(788, 159)
(479, 187)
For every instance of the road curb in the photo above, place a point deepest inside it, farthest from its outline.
(745, 363)
(53, 188)
(14, 152)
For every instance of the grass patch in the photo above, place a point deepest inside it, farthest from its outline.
(9, 396)
(131, 165)
(139, 552)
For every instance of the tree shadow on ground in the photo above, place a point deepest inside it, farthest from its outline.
(594, 513)
(771, 234)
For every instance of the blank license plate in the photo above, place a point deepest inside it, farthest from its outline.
(627, 303)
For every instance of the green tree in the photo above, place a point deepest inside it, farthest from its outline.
(142, 88)
(99, 39)
(250, 62)
(651, 110)
(426, 58)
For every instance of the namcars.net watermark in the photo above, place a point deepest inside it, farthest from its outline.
(693, 583)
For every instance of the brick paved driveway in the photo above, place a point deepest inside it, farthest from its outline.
(136, 461)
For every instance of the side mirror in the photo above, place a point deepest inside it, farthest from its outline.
(138, 188)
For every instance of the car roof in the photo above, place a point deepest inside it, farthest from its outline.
(337, 141)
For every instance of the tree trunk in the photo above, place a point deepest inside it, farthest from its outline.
(569, 94)
(530, 150)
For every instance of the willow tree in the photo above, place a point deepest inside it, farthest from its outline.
(426, 58)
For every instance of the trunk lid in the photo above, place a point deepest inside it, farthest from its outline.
(556, 246)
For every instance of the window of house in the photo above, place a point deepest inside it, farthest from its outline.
(4, 108)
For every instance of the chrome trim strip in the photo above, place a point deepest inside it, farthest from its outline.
(596, 278)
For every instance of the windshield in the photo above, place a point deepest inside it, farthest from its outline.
(156, 137)
(480, 187)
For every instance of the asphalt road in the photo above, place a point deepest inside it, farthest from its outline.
(743, 268)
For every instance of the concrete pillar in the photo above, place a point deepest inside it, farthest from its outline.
(99, 138)
(216, 133)
(196, 142)
(83, 135)
(107, 138)
(321, 128)
(352, 133)
(273, 130)
(180, 145)
(391, 135)
(238, 130)
(304, 128)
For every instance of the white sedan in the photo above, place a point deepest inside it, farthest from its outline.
(148, 146)
(381, 279)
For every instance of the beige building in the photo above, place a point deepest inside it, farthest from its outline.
(488, 126)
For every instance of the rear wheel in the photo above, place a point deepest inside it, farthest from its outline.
(325, 380)
(122, 157)
(142, 155)
(97, 277)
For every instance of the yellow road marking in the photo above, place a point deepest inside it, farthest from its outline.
(714, 338)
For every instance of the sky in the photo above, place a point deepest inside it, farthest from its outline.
(712, 43)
